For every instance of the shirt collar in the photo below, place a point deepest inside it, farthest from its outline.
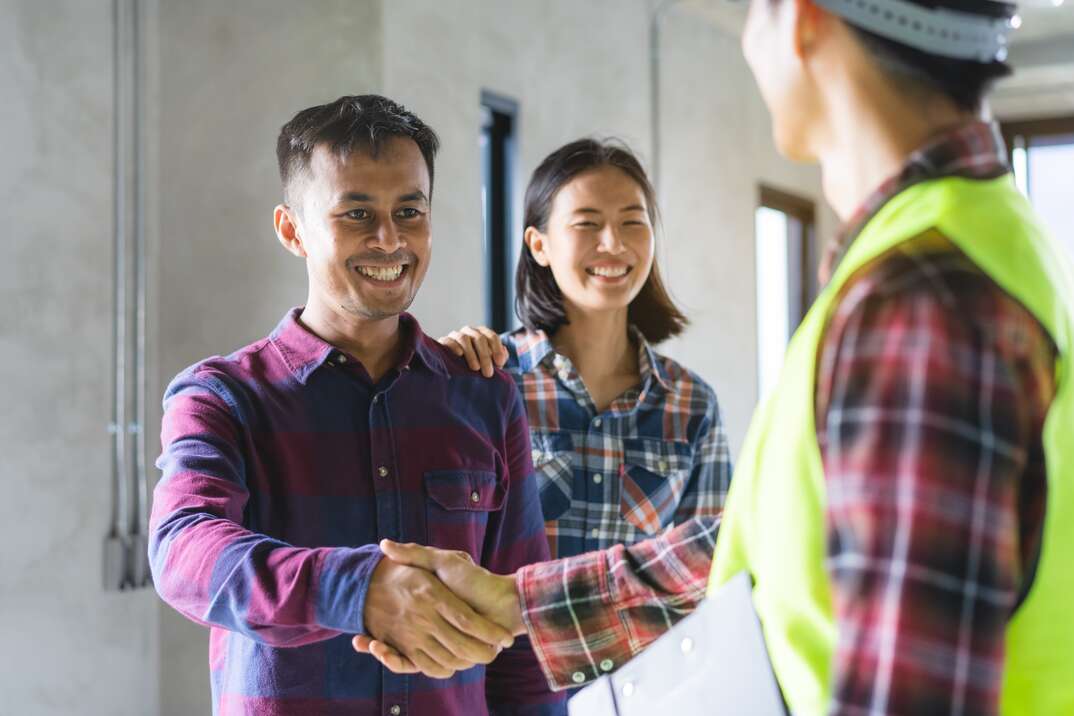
(649, 363)
(974, 150)
(304, 352)
(534, 348)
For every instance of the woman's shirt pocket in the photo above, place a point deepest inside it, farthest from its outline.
(652, 480)
(458, 504)
(553, 463)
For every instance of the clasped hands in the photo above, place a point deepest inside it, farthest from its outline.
(435, 612)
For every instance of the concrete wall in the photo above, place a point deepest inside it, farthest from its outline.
(69, 646)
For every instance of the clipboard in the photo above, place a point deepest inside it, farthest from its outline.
(712, 662)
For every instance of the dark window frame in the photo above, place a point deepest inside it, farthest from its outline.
(804, 210)
(499, 161)
(1029, 129)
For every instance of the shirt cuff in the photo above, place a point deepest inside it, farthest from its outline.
(572, 620)
(342, 585)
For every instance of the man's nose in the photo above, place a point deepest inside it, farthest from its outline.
(386, 236)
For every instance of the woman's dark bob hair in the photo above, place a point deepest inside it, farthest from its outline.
(538, 300)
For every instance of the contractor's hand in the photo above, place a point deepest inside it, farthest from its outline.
(480, 346)
(438, 633)
(492, 595)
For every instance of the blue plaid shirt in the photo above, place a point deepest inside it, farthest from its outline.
(656, 457)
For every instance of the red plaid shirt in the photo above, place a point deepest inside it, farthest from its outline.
(933, 385)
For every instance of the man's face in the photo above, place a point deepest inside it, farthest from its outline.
(363, 225)
(771, 43)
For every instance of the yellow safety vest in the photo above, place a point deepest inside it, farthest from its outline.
(774, 521)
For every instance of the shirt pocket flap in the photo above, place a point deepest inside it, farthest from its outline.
(468, 490)
(654, 476)
(552, 463)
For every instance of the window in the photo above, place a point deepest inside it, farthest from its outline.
(497, 191)
(786, 276)
(1042, 156)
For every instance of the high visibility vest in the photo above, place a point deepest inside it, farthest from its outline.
(774, 519)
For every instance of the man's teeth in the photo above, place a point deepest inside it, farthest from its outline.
(609, 272)
(381, 273)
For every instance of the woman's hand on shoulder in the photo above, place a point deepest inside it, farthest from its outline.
(479, 346)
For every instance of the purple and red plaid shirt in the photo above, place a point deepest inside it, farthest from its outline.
(928, 553)
(284, 465)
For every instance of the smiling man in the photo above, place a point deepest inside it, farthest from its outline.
(285, 462)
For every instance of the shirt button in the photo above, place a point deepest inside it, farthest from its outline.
(663, 466)
(475, 496)
(376, 398)
(581, 401)
(598, 478)
(607, 665)
(578, 677)
(341, 359)
(594, 532)
(395, 710)
(536, 455)
(597, 422)
(382, 471)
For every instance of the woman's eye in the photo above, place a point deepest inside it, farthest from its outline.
(585, 224)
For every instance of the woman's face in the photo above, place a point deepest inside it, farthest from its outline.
(598, 242)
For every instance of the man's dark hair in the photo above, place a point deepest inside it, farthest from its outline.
(349, 124)
(964, 82)
(538, 300)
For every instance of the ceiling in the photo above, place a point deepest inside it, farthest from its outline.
(1042, 22)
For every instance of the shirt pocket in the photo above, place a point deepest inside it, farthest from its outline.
(553, 464)
(652, 479)
(458, 505)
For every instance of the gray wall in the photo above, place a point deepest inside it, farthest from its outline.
(69, 647)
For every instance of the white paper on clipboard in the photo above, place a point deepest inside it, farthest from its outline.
(712, 662)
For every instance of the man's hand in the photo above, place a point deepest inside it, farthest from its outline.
(435, 631)
(480, 346)
(492, 595)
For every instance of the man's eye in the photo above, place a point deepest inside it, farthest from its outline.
(357, 214)
(408, 213)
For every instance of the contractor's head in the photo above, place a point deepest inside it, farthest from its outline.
(357, 182)
(815, 59)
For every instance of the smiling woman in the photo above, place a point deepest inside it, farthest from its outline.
(626, 442)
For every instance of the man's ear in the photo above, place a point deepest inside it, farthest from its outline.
(285, 219)
(535, 241)
(809, 23)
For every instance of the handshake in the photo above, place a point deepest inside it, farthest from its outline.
(435, 612)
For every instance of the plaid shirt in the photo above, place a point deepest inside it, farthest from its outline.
(656, 457)
(929, 553)
(284, 464)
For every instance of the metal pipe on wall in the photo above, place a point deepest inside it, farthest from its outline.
(655, 26)
(125, 561)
